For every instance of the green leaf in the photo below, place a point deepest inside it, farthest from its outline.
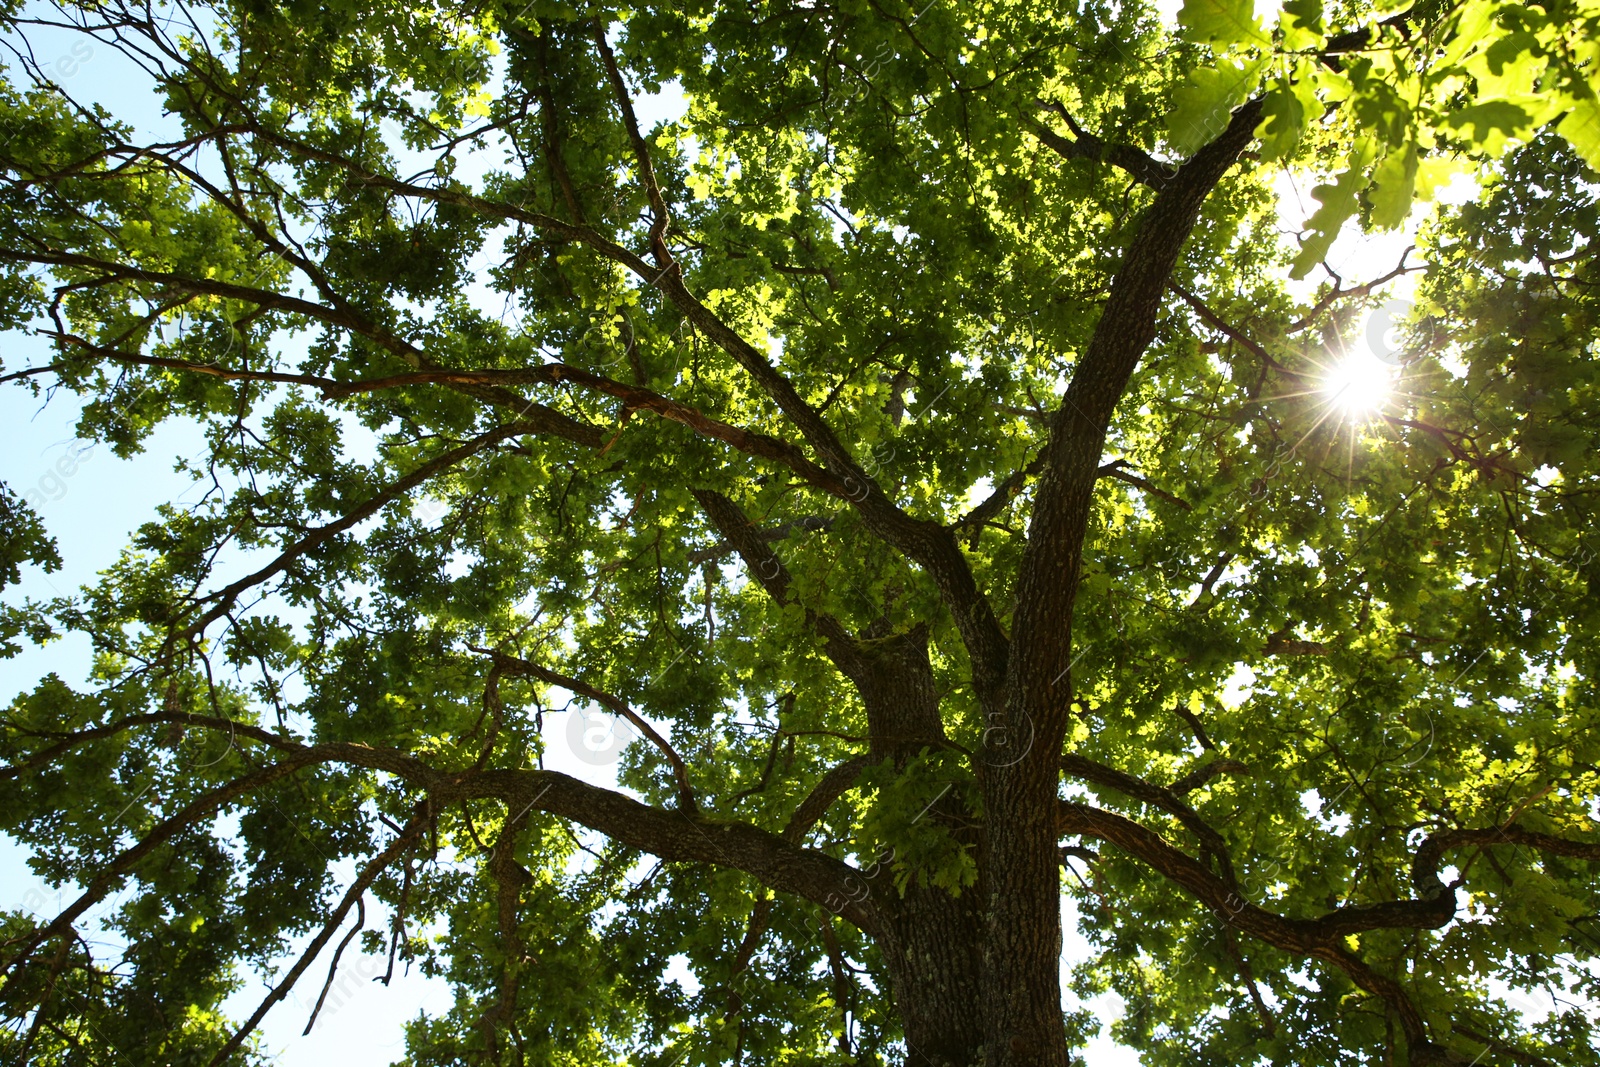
(1338, 205)
(1204, 103)
(1492, 123)
(1301, 24)
(1581, 128)
(1393, 188)
(1287, 110)
(1473, 28)
(23, 538)
(1222, 23)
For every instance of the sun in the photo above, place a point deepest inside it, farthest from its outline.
(1359, 383)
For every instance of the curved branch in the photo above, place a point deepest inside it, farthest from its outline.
(1324, 937)
(668, 835)
(1338, 292)
(369, 873)
(1317, 938)
(1204, 773)
(333, 964)
(1429, 912)
(1425, 866)
(517, 665)
(833, 785)
(679, 835)
(1165, 799)
(1136, 163)
(225, 597)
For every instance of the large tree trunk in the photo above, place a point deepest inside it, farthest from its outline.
(1021, 980)
(935, 943)
(935, 961)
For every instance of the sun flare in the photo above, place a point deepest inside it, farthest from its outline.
(1359, 383)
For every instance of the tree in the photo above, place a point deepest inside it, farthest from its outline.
(916, 442)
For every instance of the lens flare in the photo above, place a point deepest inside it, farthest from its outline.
(1359, 383)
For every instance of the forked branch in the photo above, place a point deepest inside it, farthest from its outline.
(369, 873)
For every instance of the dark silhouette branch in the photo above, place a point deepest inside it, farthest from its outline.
(1082, 145)
(368, 875)
(1323, 937)
(1117, 469)
(680, 771)
(661, 217)
(223, 599)
(1204, 773)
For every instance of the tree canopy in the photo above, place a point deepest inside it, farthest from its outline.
(917, 442)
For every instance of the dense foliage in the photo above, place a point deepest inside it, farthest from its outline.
(916, 441)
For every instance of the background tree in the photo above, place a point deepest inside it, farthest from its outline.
(911, 442)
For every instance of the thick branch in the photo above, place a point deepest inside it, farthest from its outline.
(764, 566)
(680, 772)
(833, 785)
(1149, 793)
(1425, 867)
(1324, 937)
(1429, 912)
(668, 835)
(1318, 938)
(929, 544)
(1137, 164)
(678, 836)
(1052, 561)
